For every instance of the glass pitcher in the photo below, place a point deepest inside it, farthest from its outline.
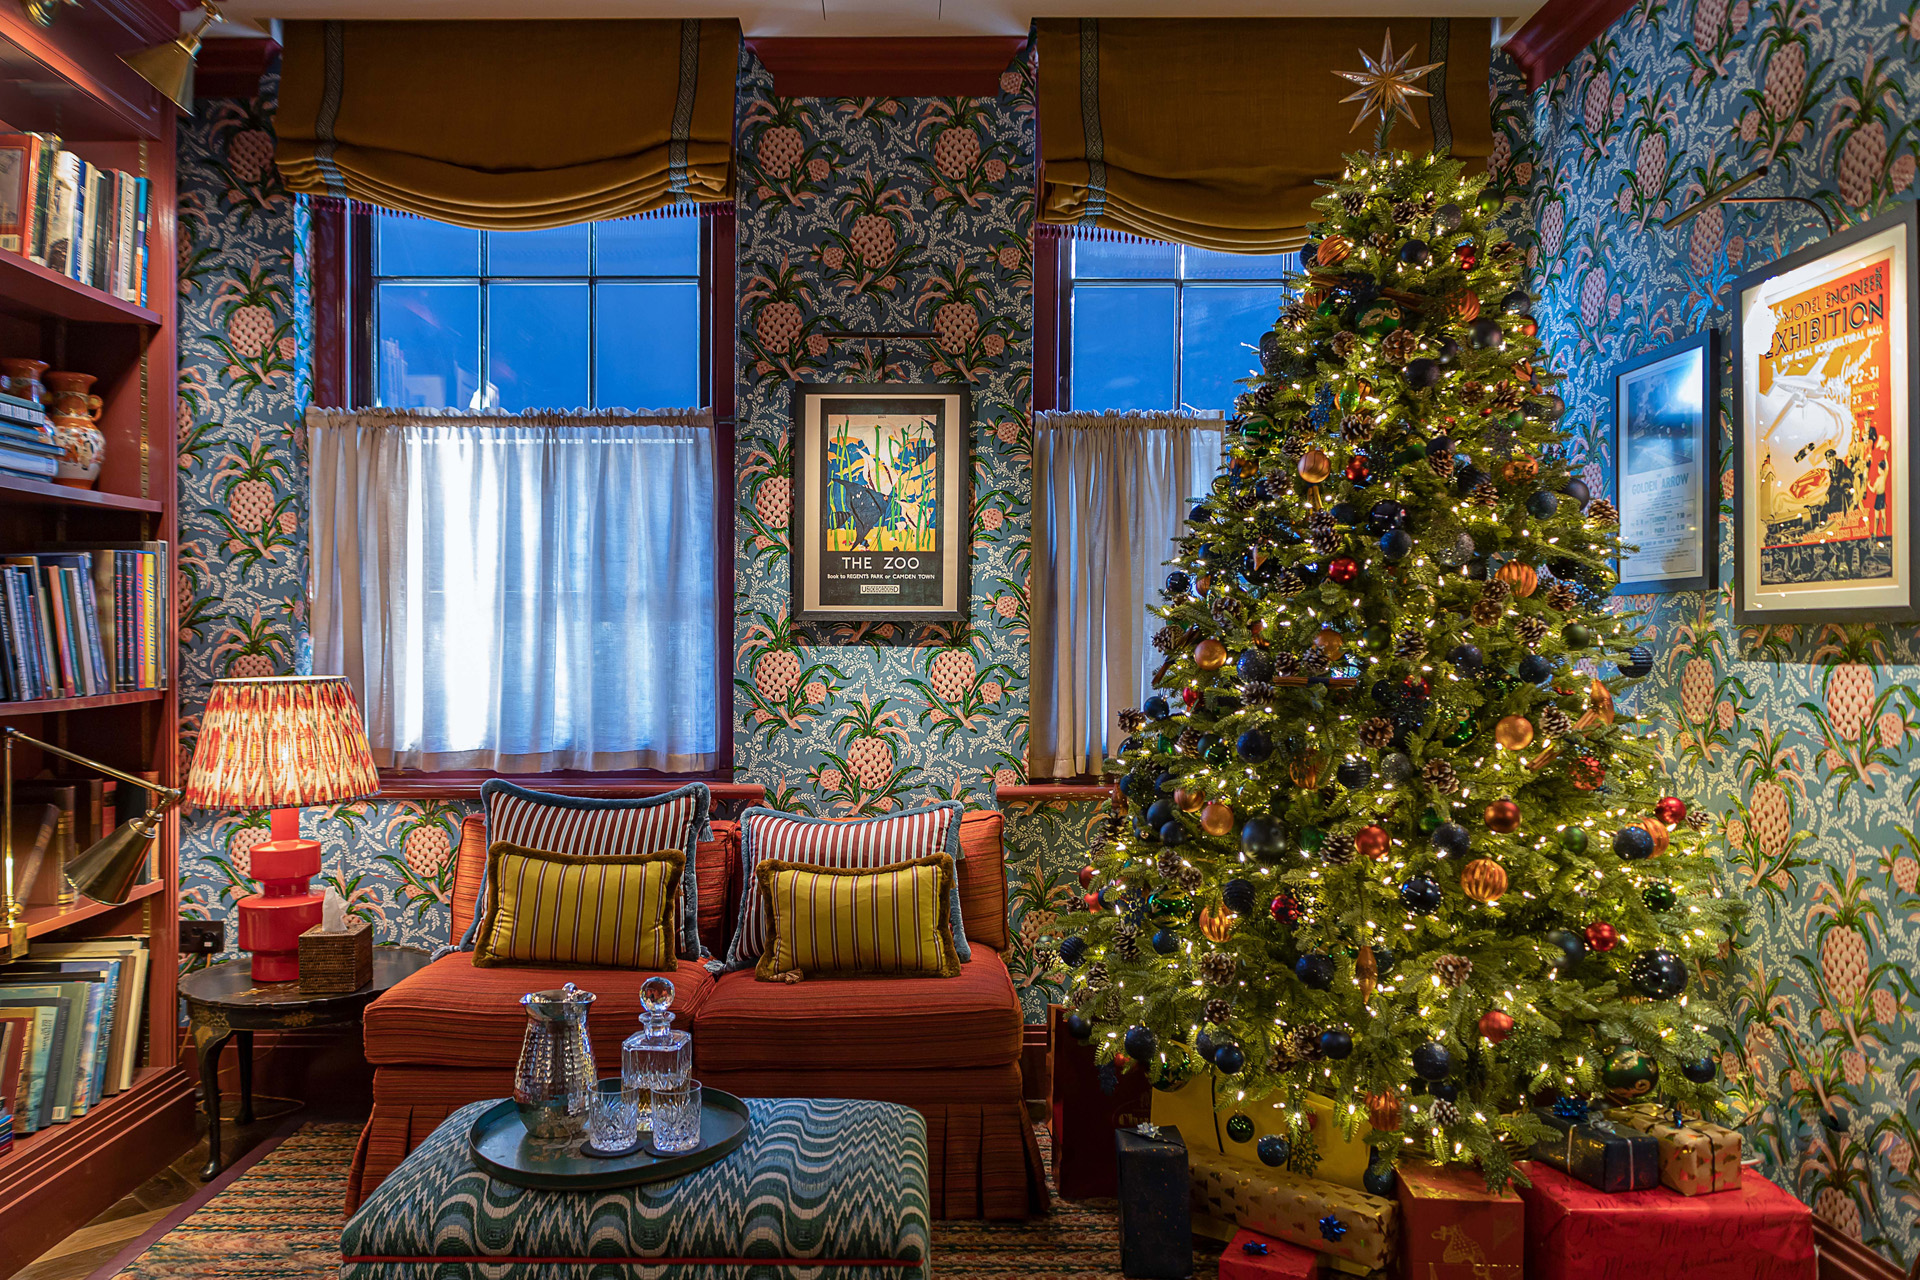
(554, 1081)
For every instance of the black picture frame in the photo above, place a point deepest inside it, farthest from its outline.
(1643, 494)
(1780, 583)
(870, 583)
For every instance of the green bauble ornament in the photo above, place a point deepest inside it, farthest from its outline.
(1462, 733)
(1659, 896)
(1574, 839)
(1169, 909)
(1175, 1069)
(1378, 318)
(1163, 742)
(1377, 638)
(1240, 1127)
(1628, 1074)
(1311, 838)
(1430, 821)
(1216, 751)
(1328, 307)
(1577, 635)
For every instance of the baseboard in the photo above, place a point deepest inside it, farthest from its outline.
(1843, 1258)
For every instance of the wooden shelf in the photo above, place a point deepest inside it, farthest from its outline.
(48, 706)
(46, 493)
(44, 920)
(29, 289)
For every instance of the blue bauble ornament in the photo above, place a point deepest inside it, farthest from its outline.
(1453, 839)
(1658, 974)
(1315, 970)
(1078, 1027)
(1467, 659)
(1383, 960)
(1160, 813)
(1167, 783)
(1229, 1059)
(1203, 1045)
(1200, 514)
(1073, 948)
(1444, 1090)
(1263, 837)
(1165, 941)
(1237, 895)
(1639, 662)
(1633, 843)
(1380, 1179)
(1421, 895)
(1431, 1061)
(1396, 544)
(1173, 835)
(1254, 666)
(1273, 1150)
(1140, 1043)
(1542, 504)
(1178, 583)
(1700, 1070)
(1336, 1044)
(1385, 515)
(1572, 946)
(1534, 669)
(1416, 253)
(1156, 708)
(1253, 746)
(1576, 489)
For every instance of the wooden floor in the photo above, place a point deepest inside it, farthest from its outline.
(92, 1246)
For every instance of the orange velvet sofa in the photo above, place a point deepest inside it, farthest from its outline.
(949, 1048)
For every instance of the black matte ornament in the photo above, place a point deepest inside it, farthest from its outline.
(1173, 835)
(1240, 1127)
(1421, 895)
(1354, 773)
(1542, 504)
(1336, 1044)
(1475, 570)
(1572, 946)
(1315, 970)
(1467, 659)
(1448, 217)
(1254, 667)
(1416, 253)
(1078, 1027)
(1384, 959)
(1380, 1179)
(1263, 837)
(1453, 839)
(1485, 334)
(1516, 302)
(1444, 1090)
(1396, 544)
(1468, 478)
(1237, 895)
(1449, 351)
(1140, 1043)
(1534, 669)
(1165, 941)
(1160, 813)
(1576, 488)
(1658, 974)
(1253, 746)
(1229, 1059)
(1345, 513)
(1273, 1150)
(1178, 583)
(1700, 1070)
(1386, 514)
(1423, 374)
(1156, 708)
(1633, 843)
(1073, 949)
(1431, 1061)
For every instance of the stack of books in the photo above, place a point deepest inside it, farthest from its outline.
(88, 223)
(27, 446)
(76, 1012)
(81, 620)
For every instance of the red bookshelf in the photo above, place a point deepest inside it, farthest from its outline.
(68, 80)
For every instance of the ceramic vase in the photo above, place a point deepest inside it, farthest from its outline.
(75, 411)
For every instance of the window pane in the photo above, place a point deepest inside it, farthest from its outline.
(1205, 264)
(1125, 259)
(647, 345)
(559, 251)
(1123, 347)
(647, 247)
(429, 344)
(1218, 327)
(537, 345)
(422, 247)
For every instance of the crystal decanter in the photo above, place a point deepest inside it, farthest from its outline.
(656, 1056)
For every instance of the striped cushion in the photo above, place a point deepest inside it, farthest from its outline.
(866, 845)
(675, 820)
(602, 911)
(830, 920)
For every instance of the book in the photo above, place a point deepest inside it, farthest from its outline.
(129, 1013)
(142, 220)
(49, 151)
(70, 1086)
(29, 438)
(16, 188)
(34, 829)
(35, 466)
(60, 851)
(50, 1052)
(13, 1041)
(102, 1000)
(62, 202)
(35, 1025)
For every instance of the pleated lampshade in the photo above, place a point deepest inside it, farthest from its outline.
(281, 742)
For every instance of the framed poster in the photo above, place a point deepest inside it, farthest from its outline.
(1663, 412)
(882, 509)
(1824, 372)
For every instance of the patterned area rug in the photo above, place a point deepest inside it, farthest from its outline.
(281, 1218)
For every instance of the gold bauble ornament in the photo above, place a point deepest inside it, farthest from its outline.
(1216, 923)
(1658, 830)
(1315, 466)
(1483, 880)
(1521, 577)
(1328, 642)
(1515, 733)
(1520, 469)
(1333, 251)
(1383, 1111)
(1187, 801)
(1305, 770)
(1216, 819)
(1209, 655)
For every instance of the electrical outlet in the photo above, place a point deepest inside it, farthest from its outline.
(203, 937)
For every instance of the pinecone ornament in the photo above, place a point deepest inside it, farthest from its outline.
(1046, 959)
(1189, 877)
(1508, 397)
(1384, 241)
(1357, 428)
(1218, 1011)
(1083, 997)
(1500, 440)
(1496, 590)
(1281, 1056)
(1445, 1114)
(1297, 312)
(1398, 347)
(1292, 449)
(1337, 850)
(1697, 819)
(1411, 644)
(1315, 660)
(1321, 522)
(1451, 970)
(1442, 464)
(1326, 543)
(1471, 393)
(1344, 344)
(1405, 211)
(1167, 864)
(1246, 500)
(1602, 512)
(1440, 776)
(1487, 612)
(1133, 720)
(1377, 731)
(1286, 664)
(1167, 639)
(1097, 976)
(1126, 941)
(1555, 723)
(1530, 629)
(1428, 203)
(1289, 585)
(1226, 612)
(1216, 968)
(1306, 1043)
(1563, 597)
(1354, 202)
(1487, 494)
(1256, 693)
(1188, 743)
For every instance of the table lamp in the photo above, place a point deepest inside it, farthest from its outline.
(280, 742)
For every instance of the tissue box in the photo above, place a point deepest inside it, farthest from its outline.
(1601, 1154)
(334, 964)
(1363, 1233)
(1695, 1158)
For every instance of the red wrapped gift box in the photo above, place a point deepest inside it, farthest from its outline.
(1453, 1228)
(1281, 1261)
(1084, 1117)
(1754, 1232)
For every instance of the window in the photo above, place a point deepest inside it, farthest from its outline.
(602, 314)
(1162, 326)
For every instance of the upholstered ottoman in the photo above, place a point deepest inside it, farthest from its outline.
(821, 1188)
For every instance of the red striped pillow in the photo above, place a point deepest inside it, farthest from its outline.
(848, 846)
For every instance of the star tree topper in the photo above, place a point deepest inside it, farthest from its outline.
(1387, 85)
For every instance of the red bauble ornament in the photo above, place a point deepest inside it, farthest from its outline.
(1503, 816)
(1466, 255)
(1418, 687)
(1093, 901)
(1588, 773)
(1343, 569)
(1372, 841)
(1086, 877)
(1495, 1025)
(1529, 326)
(1602, 936)
(1190, 696)
(1286, 907)
(1357, 469)
(1671, 810)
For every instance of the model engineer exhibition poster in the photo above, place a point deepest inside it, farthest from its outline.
(1823, 417)
(885, 519)
(1663, 477)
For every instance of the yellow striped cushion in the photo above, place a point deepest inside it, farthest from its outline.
(845, 921)
(599, 911)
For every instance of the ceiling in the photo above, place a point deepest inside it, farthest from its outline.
(880, 17)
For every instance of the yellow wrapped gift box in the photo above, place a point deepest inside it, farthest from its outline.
(1355, 1232)
(1695, 1158)
(1203, 1105)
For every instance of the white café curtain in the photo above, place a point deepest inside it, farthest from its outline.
(1110, 494)
(519, 593)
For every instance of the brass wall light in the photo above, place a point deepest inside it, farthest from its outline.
(168, 66)
(45, 11)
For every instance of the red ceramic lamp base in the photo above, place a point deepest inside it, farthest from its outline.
(272, 920)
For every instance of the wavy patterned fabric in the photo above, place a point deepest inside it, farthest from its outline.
(831, 921)
(820, 1188)
(607, 911)
(864, 846)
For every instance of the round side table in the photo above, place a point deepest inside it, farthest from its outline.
(223, 1001)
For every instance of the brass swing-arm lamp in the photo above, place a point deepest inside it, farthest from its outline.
(107, 871)
(168, 66)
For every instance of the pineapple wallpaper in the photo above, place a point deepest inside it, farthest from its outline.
(1804, 741)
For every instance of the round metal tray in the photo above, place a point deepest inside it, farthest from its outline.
(501, 1147)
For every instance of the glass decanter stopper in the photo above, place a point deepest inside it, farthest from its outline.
(656, 1056)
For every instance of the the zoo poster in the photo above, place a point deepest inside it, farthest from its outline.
(882, 526)
(1825, 380)
(1661, 407)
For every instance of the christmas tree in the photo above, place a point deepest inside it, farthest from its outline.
(1388, 838)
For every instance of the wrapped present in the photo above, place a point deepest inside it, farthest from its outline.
(1453, 1228)
(1156, 1231)
(1754, 1232)
(1252, 1256)
(1353, 1231)
(1084, 1115)
(1600, 1153)
(1203, 1109)
(1696, 1157)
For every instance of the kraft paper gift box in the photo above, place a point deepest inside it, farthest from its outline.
(1202, 1106)
(1605, 1156)
(1695, 1158)
(1453, 1228)
(1364, 1236)
(1268, 1260)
